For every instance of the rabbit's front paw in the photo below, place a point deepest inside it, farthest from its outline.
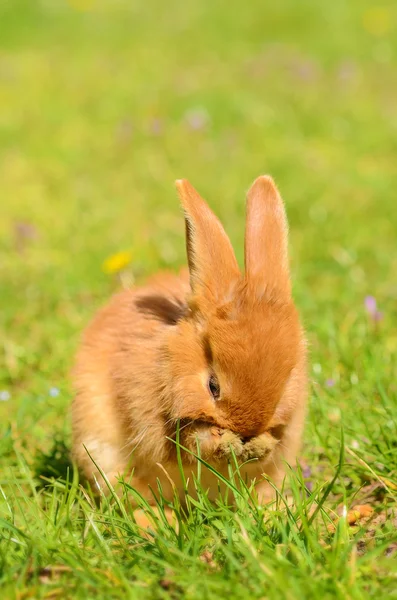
(229, 443)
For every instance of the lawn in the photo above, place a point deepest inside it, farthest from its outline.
(103, 104)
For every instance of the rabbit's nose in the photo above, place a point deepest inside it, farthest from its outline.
(246, 439)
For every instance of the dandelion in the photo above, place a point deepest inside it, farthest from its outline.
(377, 21)
(117, 262)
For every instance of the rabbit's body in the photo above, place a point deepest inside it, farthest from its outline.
(220, 354)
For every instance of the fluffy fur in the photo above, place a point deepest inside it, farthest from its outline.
(146, 359)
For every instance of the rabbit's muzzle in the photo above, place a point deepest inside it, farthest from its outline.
(214, 443)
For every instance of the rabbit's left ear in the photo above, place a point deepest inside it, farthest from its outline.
(266, 239)
(212, 264)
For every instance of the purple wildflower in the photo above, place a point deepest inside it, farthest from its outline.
(347, 70)
(370, 304)
(197, 118)
(304, 69)
(25, 233)
(372, 308)
(124, 131)
(306, 474)
(156, 126)
(330, 382)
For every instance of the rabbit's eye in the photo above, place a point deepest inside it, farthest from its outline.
(213, 386)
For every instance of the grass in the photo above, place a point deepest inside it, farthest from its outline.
(102, 105)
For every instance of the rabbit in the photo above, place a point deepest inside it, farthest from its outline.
(220, 352)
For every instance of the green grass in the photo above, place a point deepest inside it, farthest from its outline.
(100, 110)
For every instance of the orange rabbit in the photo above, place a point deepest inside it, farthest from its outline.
(221, 352)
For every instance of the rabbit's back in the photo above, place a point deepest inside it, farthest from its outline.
(115, 375)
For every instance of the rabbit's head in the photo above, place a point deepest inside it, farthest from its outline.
(234, 354)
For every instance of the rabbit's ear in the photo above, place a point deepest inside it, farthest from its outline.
(266, 239)
(212, 264)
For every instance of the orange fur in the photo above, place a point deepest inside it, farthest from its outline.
(145, 360)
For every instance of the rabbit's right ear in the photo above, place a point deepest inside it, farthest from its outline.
(266, 239)
(212, 264)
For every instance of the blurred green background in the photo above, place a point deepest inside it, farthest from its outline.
(104, 104)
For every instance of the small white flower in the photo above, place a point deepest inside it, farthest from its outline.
(4, 395)
(54, 392)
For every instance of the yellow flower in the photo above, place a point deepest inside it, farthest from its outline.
(377, 21)
(117, 262)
